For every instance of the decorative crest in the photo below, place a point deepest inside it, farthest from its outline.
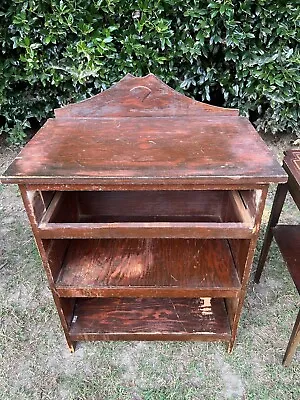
(147, 96)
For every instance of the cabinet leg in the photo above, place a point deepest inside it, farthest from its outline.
(230, 346)
(65, 309)
(293, 342)
(274, 217)
(71, 346)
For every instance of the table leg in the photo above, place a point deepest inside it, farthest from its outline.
(293, 343)
(274, 217)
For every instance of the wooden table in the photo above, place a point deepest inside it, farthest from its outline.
(146, 206)
(287, 238)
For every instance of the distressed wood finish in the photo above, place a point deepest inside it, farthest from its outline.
(134, 214)
(150, 186)
(129, 267)
(287, 238)
(136, 97)
(64, 306)
(164, 137)
(224, 150)
(152, 230)
(150, 319)
(141, 201)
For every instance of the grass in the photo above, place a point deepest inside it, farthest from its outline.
(35, 362)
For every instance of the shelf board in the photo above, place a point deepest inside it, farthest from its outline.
(148, 268)
(212, 230)
(150, 319)
(288, 240)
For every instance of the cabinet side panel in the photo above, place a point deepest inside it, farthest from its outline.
(66, 210)
(231, 307)
(239, 250)
(55, 251)
(251, 199)
(39, 202)
(64, 309)
(248, 250)
(67, 306)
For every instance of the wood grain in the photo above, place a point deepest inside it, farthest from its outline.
(212, 230)
(139, 132)
(157, 204)
(148, 267)
(183, 157)
(150, 319)
(146, 150)
(133, 214)
(136, 97)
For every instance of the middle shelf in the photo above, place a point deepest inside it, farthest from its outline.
(147, 268)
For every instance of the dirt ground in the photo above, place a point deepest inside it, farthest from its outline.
(35, 362)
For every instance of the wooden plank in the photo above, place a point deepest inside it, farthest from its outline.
(150, 319)
(170, 185)
(288, 240)
(147, 230)
(158, 214)
(246, 252)
(56, 250)
(64, 306)
(146, 150)
(251, 199)
(53, 207)
(148, 267)
(39, 202)
(240, 209)
(152, 204)
(140, 96)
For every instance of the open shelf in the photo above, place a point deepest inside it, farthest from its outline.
(132, 214)
(150, 319)
(148, 268)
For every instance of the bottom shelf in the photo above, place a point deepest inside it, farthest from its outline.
(202, 319)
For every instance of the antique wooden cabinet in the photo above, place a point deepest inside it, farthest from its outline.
(146, 206)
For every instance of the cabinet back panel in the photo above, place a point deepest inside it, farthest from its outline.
(159, 203)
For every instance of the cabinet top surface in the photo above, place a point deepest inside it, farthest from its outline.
(142, 131)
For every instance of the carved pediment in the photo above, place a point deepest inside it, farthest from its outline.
(144, 96)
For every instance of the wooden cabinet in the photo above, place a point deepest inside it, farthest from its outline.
(146, 206)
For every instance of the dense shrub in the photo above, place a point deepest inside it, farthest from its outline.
(233, 53)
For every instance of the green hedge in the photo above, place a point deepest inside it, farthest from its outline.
(232, 53)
